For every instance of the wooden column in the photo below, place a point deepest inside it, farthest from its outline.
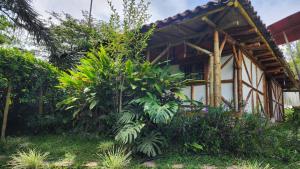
(211, 80)
(217, 70)
(240, 81)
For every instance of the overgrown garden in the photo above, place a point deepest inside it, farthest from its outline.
(99, 99)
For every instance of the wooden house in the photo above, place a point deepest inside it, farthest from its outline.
(230, 55)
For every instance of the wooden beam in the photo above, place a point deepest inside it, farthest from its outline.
(267, 59)
(244, 32)
(273, 70)
(161, 55)
(181, 40)
(271, 64)
(253, 45)
(253, 40)
(263, 54)
(198, 48)
(223, 44)
(185, 29)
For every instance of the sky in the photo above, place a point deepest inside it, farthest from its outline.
(270, 11)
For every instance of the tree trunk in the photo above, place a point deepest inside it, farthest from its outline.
(6, 109)
(41, 103)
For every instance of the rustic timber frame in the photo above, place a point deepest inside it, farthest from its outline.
(243, 67)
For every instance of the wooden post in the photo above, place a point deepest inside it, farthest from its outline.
(217, 70)
(6, 109)
(240, 81)
(211, 80)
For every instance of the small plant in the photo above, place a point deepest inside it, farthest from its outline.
(28, 160)
(254, 165)
(105, 146)
(115, 158)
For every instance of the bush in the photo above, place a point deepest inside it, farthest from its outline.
(219, 131)
(28, 160)
(115, 158)
(254, 165)
(105, 146)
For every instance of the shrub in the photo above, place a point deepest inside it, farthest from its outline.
(115, 158)
(28, 160)
(218, 131)
(254, 165)
(105, 146)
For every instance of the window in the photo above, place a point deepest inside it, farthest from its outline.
(193, 71)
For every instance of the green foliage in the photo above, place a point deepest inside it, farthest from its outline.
(33, 82)
(151, 144)
(28, 160)
(129, 132)
(73, 38)
(159, 114)
(218, 131)
(5, 37)
(115, 158)
(254, 165)
(106, 145)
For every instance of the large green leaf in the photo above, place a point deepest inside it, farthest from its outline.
(129, 132)
(151, 144)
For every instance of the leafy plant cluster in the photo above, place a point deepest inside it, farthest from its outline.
(218, 131)
(28, 88)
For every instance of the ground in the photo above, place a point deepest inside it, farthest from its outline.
(81, 151)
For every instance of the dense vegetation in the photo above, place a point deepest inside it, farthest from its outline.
(106, 103)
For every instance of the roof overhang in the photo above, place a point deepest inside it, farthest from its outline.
(289, 25)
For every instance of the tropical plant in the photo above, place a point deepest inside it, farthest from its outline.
(115, 158)
(151, 144)
(106, 145)
(254, 165)
(28, 160)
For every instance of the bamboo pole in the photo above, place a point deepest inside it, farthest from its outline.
(211, 80)
(239, 81)
(217, 70)
(7, 103)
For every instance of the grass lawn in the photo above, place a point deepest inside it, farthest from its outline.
(81, 150)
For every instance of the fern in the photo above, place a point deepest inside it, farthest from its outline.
(151, 144)
(129, 132)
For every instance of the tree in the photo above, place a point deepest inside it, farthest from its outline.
(73, 38)
(296, 52)
(21, 13)
(22, 75)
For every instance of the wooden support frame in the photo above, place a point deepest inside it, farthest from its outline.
(217, 70)
(165, 51)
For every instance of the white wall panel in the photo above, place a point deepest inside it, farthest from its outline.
(254, 75)
(200, 93)
(227, 89)
(227, 70)
(187, 91)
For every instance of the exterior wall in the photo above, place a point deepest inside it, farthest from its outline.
(254, 87)
(259, 94)
(276, 100)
